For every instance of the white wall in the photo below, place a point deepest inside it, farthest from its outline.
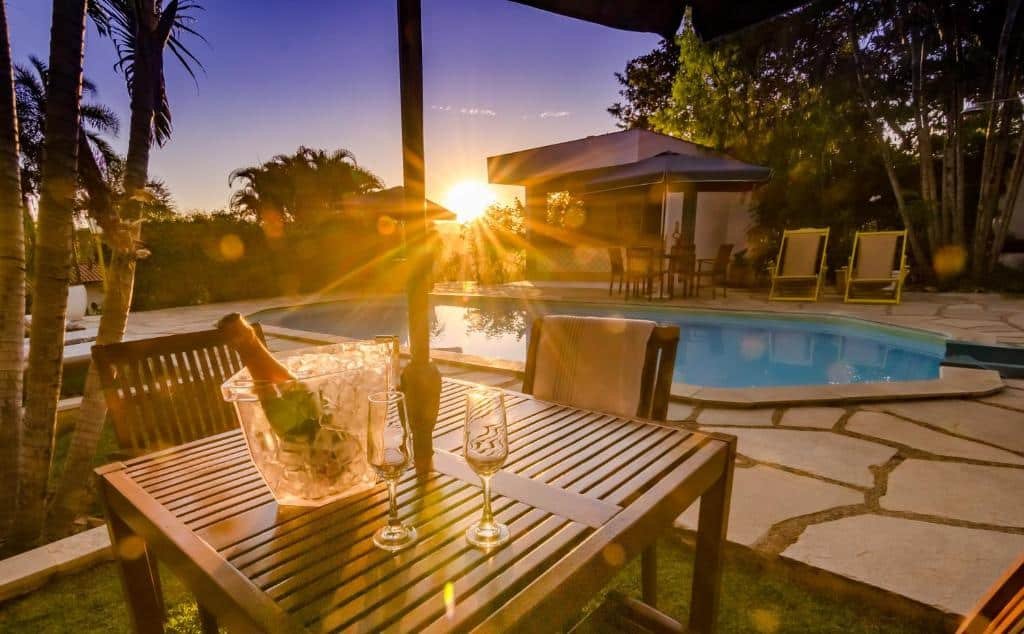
(721, 217)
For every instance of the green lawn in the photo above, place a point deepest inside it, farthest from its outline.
(752, 602)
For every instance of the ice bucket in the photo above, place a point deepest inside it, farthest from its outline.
(324, 458)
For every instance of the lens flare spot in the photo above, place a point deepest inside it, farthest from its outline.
(840, 373)
(386, 225)
(273, 224)
(131, 548)
(614, 554)
(574, 217)
(449, 599)
(231, 247)
(766, 621)
(949, 261)
(752, 347)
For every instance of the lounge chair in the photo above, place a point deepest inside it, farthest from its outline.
(620, 366)
(878, 267)
(799, 272)
(717, 271)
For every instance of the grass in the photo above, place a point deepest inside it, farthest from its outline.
(752, 601)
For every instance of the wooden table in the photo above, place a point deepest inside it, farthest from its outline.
(583, 493)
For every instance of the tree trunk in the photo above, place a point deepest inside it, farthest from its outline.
(994, 155)
(59, 183)
(1014, 185)
(918, 251)
(72, 498)
(929, 191)
(12, 286)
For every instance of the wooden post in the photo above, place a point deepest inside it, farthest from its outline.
(421, 382)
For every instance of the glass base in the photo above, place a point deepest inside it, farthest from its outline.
(487, 537)
(394, 538)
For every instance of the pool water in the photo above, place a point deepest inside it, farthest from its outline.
(716, 348)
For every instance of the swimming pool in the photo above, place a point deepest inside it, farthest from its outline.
(717, 348)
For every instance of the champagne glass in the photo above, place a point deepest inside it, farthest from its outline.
(486, 449)
(388, 451)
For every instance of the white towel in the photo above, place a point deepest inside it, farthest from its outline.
(592, 362)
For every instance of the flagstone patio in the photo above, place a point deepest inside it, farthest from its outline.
(921, 498)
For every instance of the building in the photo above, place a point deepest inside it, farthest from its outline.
(633, 187)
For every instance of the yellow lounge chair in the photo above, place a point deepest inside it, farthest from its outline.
(878, 267)
(800, 269)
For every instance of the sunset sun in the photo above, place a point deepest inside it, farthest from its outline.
(469, 199)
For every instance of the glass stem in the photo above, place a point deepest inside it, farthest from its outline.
(488, 517)
(393, 502)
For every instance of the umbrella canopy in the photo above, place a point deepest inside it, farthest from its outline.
(670, 167)
(711, 18)
(393, 202)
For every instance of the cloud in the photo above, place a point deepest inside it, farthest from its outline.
(554, 114)
(469, 112)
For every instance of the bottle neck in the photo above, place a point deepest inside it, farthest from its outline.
(262, 365)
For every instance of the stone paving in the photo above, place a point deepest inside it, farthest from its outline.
(922, 498)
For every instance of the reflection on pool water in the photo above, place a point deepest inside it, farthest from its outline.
(716, 348)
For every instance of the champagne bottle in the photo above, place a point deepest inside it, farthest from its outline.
(292, 410)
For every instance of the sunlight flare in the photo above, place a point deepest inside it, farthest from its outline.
(469, 199)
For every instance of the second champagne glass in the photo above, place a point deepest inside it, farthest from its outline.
(486, 449)
(389, 452)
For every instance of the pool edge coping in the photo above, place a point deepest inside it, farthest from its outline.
(953, 382)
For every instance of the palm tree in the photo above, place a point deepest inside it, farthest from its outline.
(307, 186)
(30, 88)
(57, 188)
(95, 156)
(12, 284)
(142, 30)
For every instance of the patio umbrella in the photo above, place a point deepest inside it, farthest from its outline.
(671, 167)
(711, 18)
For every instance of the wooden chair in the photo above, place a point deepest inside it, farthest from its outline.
(618, 269)
(643, 265)
(682, 268)
(717, 272)
(1001, 610)
(799, 272)
(878, 267)
(656, 377)
(165, 391)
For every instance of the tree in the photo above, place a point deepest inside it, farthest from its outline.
(307, 186)
(30, 87)
(57, 187)
(12, 285)
(646, 86)
(142, 30)
(860, 109)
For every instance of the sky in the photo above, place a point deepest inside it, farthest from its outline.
(498, 77)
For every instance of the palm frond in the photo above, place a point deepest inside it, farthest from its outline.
(101, 118)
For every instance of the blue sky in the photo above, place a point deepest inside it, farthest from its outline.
(499, 76)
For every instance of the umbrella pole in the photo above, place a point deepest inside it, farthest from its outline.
(421, 381)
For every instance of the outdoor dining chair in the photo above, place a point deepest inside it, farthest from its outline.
(620, 366)
(165, 391)
(618, 269)
(799, 271)
(643, 265)
(717, 271)
(878, 267)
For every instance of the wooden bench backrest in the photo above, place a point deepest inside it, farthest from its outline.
(659, 366)
(165, 391)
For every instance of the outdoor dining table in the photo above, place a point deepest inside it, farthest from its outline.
(582, 492)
